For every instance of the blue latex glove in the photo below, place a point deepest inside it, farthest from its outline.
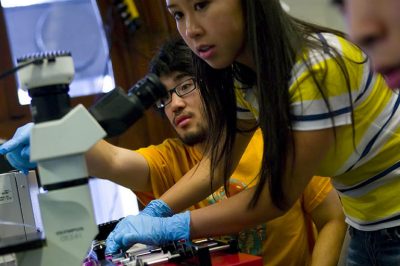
(157, 208)
(148, 230)
(17, 149)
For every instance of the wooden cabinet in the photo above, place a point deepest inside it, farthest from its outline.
(130, 54)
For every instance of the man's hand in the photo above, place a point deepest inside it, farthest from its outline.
(157, 208)
(148, 230)
(17, 149)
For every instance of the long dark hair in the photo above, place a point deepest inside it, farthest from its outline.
(276, 40)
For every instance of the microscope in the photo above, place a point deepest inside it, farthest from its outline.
(59, 139)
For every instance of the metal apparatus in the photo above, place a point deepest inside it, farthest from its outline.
(202, 252)
(21, 222)
(60, 137)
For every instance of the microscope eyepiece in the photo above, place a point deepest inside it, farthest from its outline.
(148, 90)
(117, 111)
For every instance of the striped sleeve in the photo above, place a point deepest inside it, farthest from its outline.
(329, 104)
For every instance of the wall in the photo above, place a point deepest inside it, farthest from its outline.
(321, 12)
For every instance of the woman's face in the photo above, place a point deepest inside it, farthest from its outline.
(214, 29)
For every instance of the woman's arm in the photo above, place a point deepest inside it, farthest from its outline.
(232, 215)
(122, 166)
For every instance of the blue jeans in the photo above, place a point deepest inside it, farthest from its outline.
(375, 248)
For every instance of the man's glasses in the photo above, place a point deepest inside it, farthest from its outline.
(182, 89)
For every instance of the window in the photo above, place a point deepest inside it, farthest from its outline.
(72, 25)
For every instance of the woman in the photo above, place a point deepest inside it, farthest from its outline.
(321, 110)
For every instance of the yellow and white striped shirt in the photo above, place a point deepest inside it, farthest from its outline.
(365, 167)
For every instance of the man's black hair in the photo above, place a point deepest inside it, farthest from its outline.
(338, 2)
(173, 55)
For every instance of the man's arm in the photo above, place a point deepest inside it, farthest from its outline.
(329, 218)
(122, 166)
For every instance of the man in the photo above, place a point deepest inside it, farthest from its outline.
(375, 26)
(288, 240)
